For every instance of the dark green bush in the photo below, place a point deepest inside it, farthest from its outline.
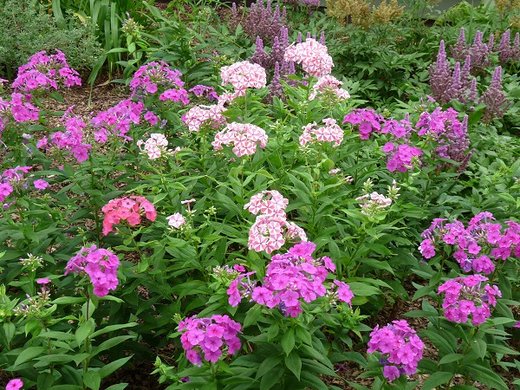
(26, 29)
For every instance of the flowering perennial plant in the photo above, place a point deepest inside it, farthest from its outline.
(401, 157)
(506, 51)
(18, 108)
(158, 77)
(176, 220)
(291, 278)
(467, 296)
(70, 140)
(329, 86)
(331, 132)
(261, 20)
(400, 347)
(243, 75)
(198, 116)
(99, 264)
(128, 208)
(46, 71)
(244, 137)
(156, 146)
(373, 203)
(475, 246)
(312, 56)
(367, 121)
(117, 120)
(209, 338)
(270, 230)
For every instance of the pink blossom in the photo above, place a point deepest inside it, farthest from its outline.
(329, 86)
(331, 132)
(176, 220)
(43, 281)
(243, 75)
(245, 138)
(40, 184)
(128, 209)
(14, 384)
(312, 56)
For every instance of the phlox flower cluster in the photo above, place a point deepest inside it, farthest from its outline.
(450, 134)
(99, 264)
(209, 338)
(468, 296)
(18, 108)
(401, 157)
(367, 120)
(117, 120)
(475, 246)
(373, 203)
(16, 178)
(176, 220)
(204, 91)
(270, 230)
(291, 278)
(157, 77)
(197, 116)
(400, 347)
(244, 137)
(45, 71)
(312, 56)
(156, 146)
(243, 75)
(129, 209)
(328, 85)
(70, 140)
(331, 132)
(267, 203)
(14, 384)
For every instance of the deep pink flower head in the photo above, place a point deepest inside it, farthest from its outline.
(117, 120)
(468, 296)
(209, 338)
(14, 384)
(129, 209)
(44, 71)
(400, 347)
(40, 184)
(158, 78)
(367, 120)
(99, 264)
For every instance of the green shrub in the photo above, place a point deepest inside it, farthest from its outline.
(26, 29)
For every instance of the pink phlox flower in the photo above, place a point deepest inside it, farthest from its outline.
(128, 209)
(329, 85)
(330, 132)
(367, 120)
(245, 138)
(312, 56)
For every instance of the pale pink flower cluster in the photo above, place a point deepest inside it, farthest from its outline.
(271, 229)
(156, 146)
(329, 85)
(374, 202)
(176, 220)
(243, 136)
(204, 115)
(267, 203)
(313, 57)
(128, 208)
(331, 132)
(243, 75)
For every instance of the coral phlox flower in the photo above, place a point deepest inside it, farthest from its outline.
(129, 209)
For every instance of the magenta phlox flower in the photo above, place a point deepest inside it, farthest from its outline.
(367, 120)
(45, 71)
(468, 296)
(209, 338)
(400, 347)
(117, 120)
(14, 384)
(99, 264)
(158, 77)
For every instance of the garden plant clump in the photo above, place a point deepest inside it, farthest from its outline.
(270, 198)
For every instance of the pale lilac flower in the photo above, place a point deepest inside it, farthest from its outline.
(176, 220)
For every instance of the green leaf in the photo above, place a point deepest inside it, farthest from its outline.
(288, 341)
(252, 316)
(273, 378)
(119, 386)
(112, 328)
(267, 365)
(450, 358)
(294, 363)
(479, 346)
(92, 380)
(28, 354)
(436, 379)
(109, 368)
(84, 330)
(485, 376)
